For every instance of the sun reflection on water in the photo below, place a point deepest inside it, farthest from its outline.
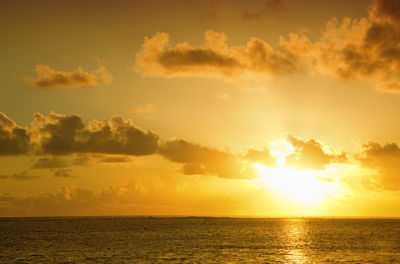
(295, 231)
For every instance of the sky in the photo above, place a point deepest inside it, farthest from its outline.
(259, 108)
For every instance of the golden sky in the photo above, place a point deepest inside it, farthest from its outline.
(216, 107)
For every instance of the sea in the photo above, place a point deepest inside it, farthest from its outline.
(198, 240)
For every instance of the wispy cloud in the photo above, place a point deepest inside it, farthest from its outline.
(50, 163)
(147, 108)
(22, 176)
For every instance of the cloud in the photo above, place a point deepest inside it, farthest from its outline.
(64, 173)
(310, 154)
(116, 140)
(359, 50)
(22, 176)
(82, 159)
(214, 59)
(115, 159)
(14, 140)
(142, 195)
(68, 141)
(49, 78)
(260, 156)
(385, 160)
(132, 198)
(270, 7)
(66, 134)
(58, 134)
(147, 108)
(386, 10)
(50, 163)
(197, 159)
(363, 49)
(63, 202)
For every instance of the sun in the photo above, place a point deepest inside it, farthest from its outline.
(301, 187)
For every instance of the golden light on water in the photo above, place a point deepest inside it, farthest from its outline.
(295, 231)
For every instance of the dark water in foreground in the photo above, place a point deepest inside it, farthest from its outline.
(198, 240)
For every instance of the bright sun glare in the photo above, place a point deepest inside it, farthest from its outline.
(301, 187)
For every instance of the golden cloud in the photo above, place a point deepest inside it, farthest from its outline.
(197, 159)
(14, 140)
(63, 134)
(215, 58)
(310, 154)
(49, 78)
(118, 139)
(385, 160)
(354, 49)
(262, 156)
(147, 108)
(50, 163)
(22, 176)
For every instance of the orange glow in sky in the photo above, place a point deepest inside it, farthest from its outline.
(221, 108)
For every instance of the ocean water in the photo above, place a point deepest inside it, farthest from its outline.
(198, 240)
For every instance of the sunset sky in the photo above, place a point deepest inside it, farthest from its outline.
(212, 108)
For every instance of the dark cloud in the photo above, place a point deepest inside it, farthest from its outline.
(22, 176)
(115, 159)
(63, 134)
(82, 159)
(385, 160)
(14, 140)
(116, 140)
(65, 173)
(387, 10)
(364, 49)
(50, 163)
(58, 132)
(215, 58)
(309, 154)
(49, 78)
(197, 159)
(270, 7)
(174, 60)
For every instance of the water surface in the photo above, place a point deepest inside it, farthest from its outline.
(198, 240)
